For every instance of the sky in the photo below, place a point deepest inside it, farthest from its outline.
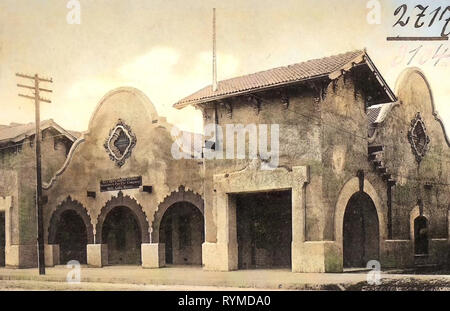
(163, 48)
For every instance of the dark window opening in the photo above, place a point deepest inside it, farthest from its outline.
(421, 236)
(71, 236)
(264, 229)
(122, 141)
(184, 231)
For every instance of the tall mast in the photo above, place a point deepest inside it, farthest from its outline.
(214, 82)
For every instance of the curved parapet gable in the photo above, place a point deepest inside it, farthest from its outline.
(116, 101)
(413, 148)
(76, 144)
(401, 82)
(149, 107)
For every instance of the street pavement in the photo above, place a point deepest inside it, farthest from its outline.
(195, 278)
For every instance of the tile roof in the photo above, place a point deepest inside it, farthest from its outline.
(273, 77)
(16, 132)
(372, 114)
(377, 114)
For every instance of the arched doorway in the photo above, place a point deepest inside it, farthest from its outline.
(182, 232)
(421, 236)
(361, 237)
(121, 232)
(71, 236)
(70, 226)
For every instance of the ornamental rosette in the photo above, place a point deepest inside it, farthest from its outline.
(120, 143)
(418, 137)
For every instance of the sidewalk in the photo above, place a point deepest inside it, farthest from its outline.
(189, 276)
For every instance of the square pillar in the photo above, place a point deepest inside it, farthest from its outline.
(223, 255)
(309, 256)
(21, 256)
(298, 219)
(299, 253)
(153, 255)
(51, 255)
(298, 213)
(97, 255)
(12, 256)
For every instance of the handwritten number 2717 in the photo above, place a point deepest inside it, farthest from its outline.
(403, 20)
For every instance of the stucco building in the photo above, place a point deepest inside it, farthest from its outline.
(18, 185)
(361, 173)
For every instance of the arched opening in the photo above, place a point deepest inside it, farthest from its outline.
(182, 232)
(122, 234)
(361, 237)
(71, 236)
(421, 236)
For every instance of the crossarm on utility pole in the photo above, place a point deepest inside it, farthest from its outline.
(39, 209)
(32, 97)
(32, 88)
(20, 75)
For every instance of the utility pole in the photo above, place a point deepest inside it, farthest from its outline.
(40, 220)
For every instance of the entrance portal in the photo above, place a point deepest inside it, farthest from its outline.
(264, 229)
(182, 232)
(71, 236)
(122, 234)
(361, 231)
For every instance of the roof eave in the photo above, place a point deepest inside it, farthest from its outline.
(49, 124)
(245, 92)
(63, 131)
(360, 59)
(380, 78)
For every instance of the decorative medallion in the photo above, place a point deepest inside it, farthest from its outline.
(418, 137)
(120, 143)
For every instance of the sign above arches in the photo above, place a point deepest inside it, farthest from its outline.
(120, 184)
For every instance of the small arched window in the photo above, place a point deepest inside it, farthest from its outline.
(421, 235)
